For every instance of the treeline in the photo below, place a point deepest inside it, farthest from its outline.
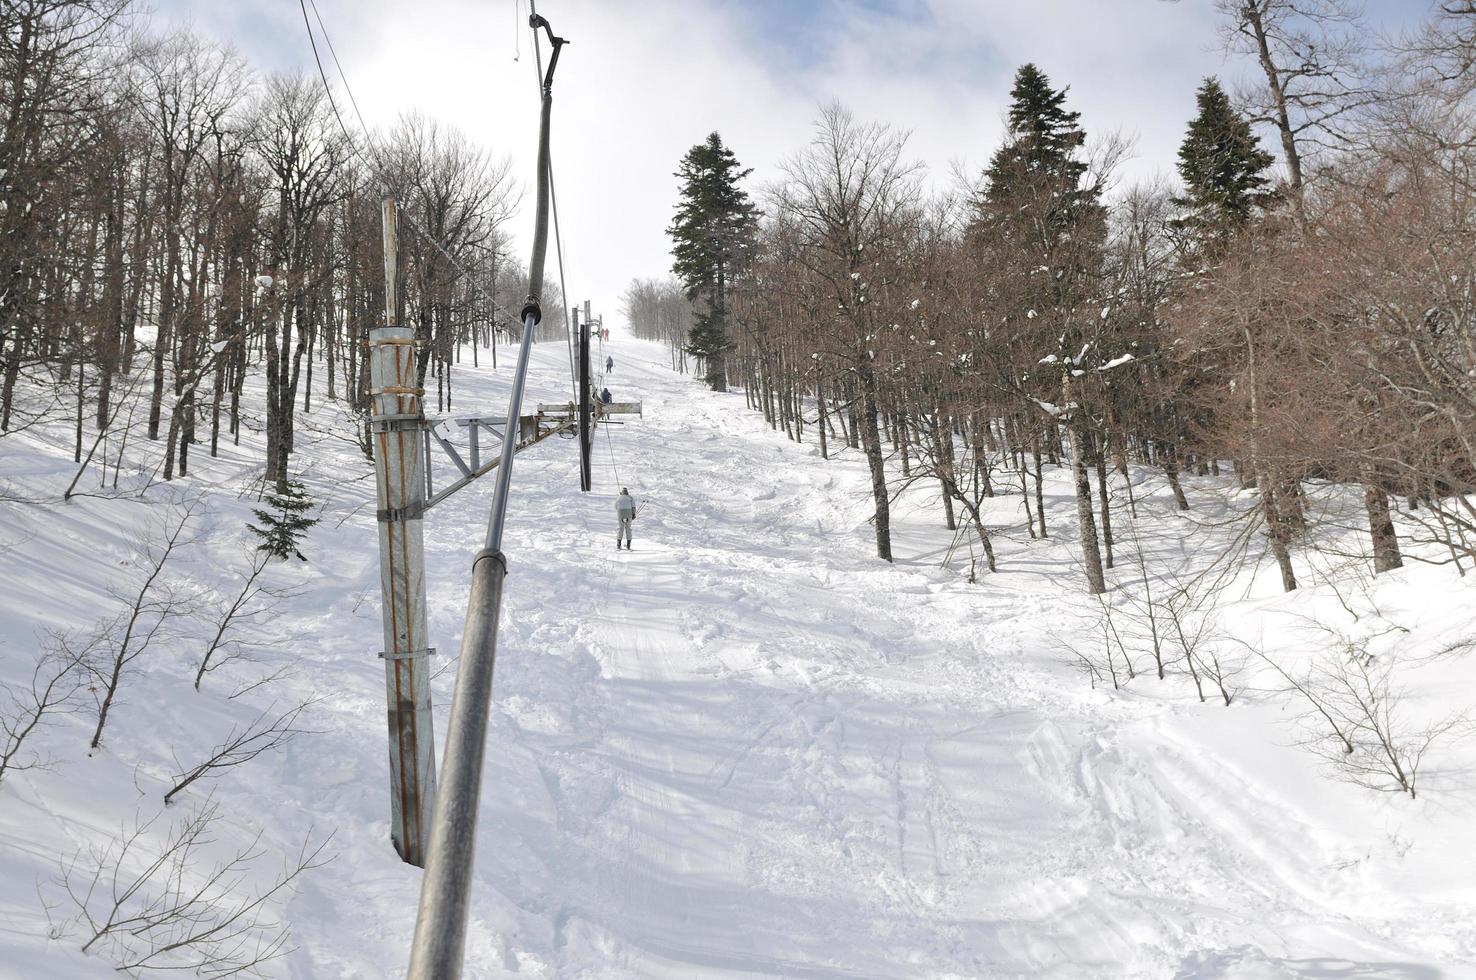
(172, 221)
(658, 309)
(1301, 324)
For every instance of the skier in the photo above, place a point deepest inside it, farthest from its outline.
(606, 397)
(609, 364)
(625, 510)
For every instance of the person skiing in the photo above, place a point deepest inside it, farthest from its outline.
(606, 397)
(625, 510)
(609, 364)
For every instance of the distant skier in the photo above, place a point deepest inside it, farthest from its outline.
(609, 364)
(625, 510)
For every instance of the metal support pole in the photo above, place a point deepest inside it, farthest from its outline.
(586, 427)
(498, 517)
(445, 890)
(397, 425)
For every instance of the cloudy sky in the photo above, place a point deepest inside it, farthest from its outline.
(643, 80)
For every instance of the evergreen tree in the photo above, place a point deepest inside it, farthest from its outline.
(1041, 225)
(1036, 211)
(286, 521)
(1043, 133)
(1223, 168)
(1039, 234)
(711, 237)
(1040, 156)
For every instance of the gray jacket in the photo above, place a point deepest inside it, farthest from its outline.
(625, 506)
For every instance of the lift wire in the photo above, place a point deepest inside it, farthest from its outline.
(336, 64)
(610, 445)
(553, 199)
(373, 167)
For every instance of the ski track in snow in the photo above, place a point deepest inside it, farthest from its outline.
(747, 747)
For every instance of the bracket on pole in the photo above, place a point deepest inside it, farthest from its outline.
(395, 423)
(407, 513)
(408, 654)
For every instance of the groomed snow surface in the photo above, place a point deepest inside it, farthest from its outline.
(748, 747)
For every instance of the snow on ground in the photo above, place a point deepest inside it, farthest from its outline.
(747, 747)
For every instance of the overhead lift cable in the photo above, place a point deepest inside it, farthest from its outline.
(373, 166)
(445, 894)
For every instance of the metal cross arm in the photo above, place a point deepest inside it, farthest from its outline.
(600, 408)
(618, 408)
(531, 430)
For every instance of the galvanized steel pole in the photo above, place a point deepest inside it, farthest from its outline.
(397, 428)
(445, 891)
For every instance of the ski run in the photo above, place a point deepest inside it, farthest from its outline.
(745, 747)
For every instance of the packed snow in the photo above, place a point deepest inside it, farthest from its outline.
(746, 747)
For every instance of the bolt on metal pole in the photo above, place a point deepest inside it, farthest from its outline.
(397, 429)
(445, 891)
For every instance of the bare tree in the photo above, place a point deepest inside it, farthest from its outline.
(264, 733)
(249, 607)
(53, 55)
(1387, 752)
(150, 906)
(851, 193)
(1312, 59)
(658, 309)
(307, 154)
(149, 610)
(461, 198)
(52, 689)
(1358, 724)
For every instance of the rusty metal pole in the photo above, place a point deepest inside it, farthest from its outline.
(398, 428)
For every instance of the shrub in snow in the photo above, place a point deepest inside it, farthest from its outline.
(286, 523)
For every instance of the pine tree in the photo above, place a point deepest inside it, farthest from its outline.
(711, 237)
(1040, 152)
(1223, 168)
(285, 523)
(1039, 231)
(1042, 131)
(1035, 203)
(1041, 223)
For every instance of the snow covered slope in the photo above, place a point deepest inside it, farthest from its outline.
(744, 748)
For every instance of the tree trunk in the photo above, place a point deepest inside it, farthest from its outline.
(1102, 497)
(820, 421)
(871, 436)
(1277, 531)
(1386, 556)
(1171, 470)
(1090, 555)
(1078, 439)
(1039, 484)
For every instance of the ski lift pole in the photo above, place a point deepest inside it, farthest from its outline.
(397, 429)
(445, 891)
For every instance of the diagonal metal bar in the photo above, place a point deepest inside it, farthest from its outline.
(450, 452)
(488, 467)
